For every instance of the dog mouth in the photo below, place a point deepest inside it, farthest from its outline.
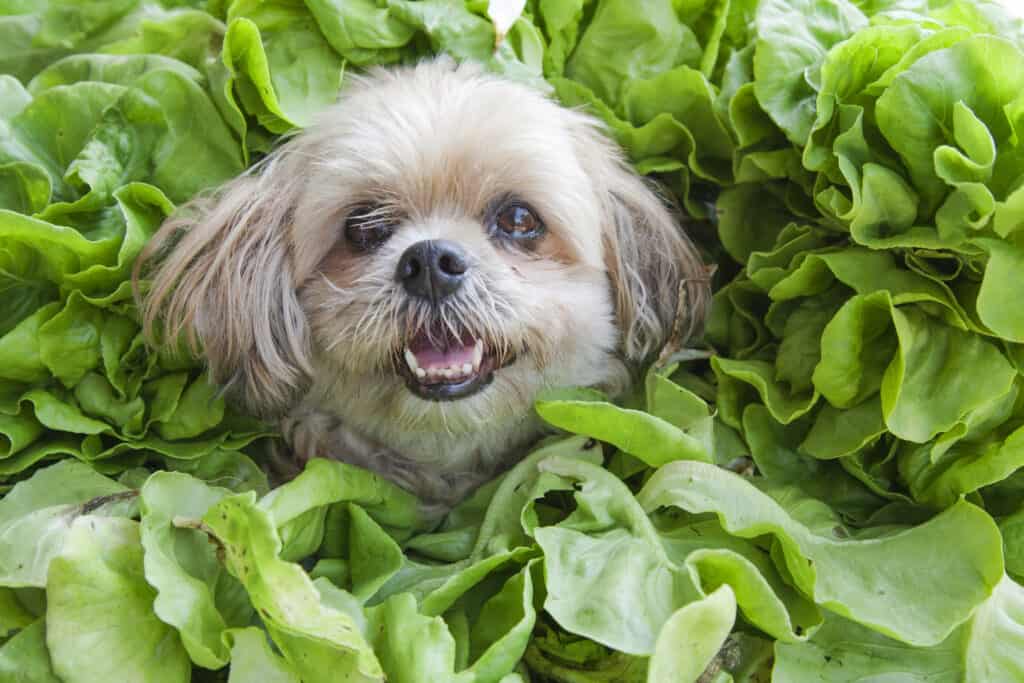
(445, 367)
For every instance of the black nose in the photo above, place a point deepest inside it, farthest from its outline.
(433, 269)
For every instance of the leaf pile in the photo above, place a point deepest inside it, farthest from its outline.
(861, 167)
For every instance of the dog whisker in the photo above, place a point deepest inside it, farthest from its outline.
(426, 392)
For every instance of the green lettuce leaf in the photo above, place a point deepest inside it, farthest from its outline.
(668, 568)
(100, 565)
(975, 652)
(856, 171)
(701, 628)
(792, 40)
(24, 658)
(252, 660)
(37, 516)
(318, 641)
(825, 564)
(282, 69)
(194, 593)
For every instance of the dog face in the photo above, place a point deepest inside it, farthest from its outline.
(440, 246)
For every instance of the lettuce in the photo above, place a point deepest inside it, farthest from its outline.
(829, 489)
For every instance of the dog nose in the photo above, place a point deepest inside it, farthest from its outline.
(433, 269)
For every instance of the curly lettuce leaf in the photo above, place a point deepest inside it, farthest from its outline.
(319, 641)
(194, 592)
(827, 565)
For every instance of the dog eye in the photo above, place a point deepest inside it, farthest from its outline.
(518, 221)
(368, 226)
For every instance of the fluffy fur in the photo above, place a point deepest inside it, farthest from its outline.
(301, 328)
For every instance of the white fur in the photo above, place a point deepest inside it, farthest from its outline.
(299, 327)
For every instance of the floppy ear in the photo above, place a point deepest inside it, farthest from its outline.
(222, 284)
(662, 288)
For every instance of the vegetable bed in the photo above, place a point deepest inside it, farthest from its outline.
(832, 493)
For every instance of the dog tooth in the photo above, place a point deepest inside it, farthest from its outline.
(478, 353)
(421, 373)
(449, 373)
(467, 369)
(410, 359)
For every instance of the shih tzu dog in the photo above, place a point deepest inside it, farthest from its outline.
(396, 283)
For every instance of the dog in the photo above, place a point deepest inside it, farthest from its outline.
(396, 283)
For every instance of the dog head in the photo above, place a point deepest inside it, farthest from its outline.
(437, 248)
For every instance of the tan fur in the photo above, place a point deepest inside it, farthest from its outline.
(299, 326)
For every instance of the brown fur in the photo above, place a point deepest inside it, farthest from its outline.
(258, 276)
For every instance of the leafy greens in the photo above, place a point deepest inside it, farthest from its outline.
(835, 495)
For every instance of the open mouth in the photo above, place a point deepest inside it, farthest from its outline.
(446, 368)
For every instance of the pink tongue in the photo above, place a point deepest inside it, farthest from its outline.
(427, 356)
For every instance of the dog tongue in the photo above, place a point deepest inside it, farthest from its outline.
(458, 353)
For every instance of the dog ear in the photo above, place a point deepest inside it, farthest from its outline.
(661, 285)
(222, 284)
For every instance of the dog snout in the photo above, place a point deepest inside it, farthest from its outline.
(433, 269)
